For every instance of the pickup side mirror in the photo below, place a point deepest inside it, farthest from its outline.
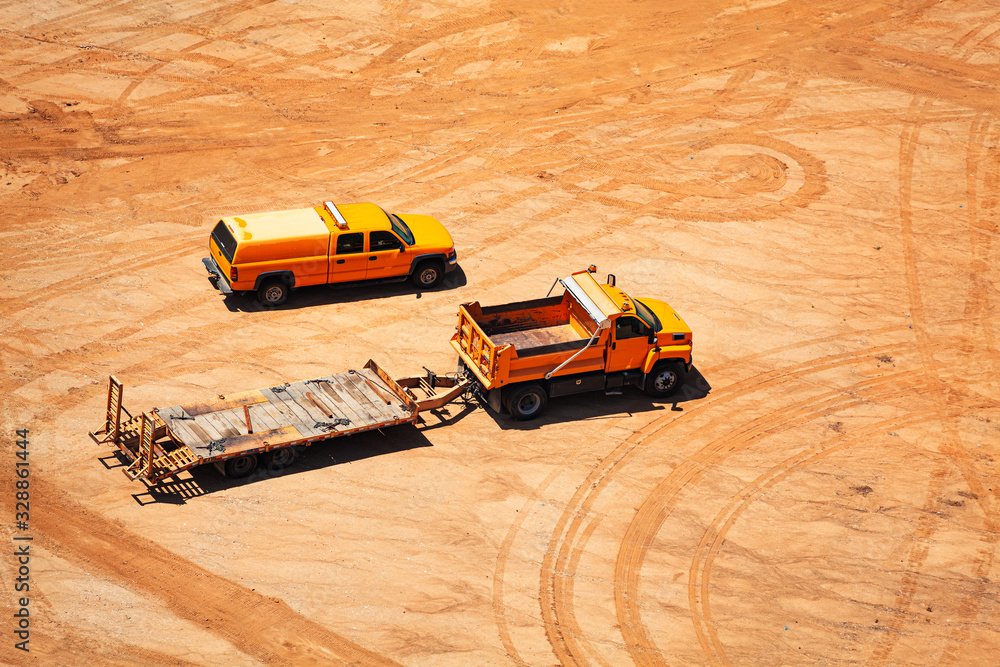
(652, 339)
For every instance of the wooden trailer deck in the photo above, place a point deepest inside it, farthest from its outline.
(168, 440)
(311, 409)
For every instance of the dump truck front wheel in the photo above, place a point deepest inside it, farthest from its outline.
(665, 379)
(241, 466)
(428, 274)
(273, 293)
(279, 459)
(527, 401)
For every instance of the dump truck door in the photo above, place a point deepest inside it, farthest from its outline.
(348, 260)
(629, 344)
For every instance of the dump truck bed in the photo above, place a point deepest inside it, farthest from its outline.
(523, 341)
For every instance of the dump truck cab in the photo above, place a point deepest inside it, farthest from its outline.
(594, 336)
(273, 253)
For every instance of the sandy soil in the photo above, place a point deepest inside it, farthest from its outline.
(814, 186)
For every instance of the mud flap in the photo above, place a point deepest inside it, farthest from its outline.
(493, 400)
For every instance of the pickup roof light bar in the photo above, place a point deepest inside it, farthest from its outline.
(341, 223)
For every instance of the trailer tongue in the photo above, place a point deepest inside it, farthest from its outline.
(239, 431)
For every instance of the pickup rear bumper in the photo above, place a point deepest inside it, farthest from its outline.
(221, 282)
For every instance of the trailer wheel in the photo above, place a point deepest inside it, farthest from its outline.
(527, 401)
(428, 274)
(279, 459)
(272, 293)
(665, 379)
(241, 466)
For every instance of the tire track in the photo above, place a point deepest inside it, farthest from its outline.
(699, 575)
(651, 515)
(952, 446)
(264, 628)
(499, 609)
(556, 605)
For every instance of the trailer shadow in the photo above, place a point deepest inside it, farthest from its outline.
(320, 295)
(583, 407)
(205, 480)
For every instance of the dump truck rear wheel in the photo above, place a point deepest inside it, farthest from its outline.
(665, 379)
(428, 274)
(241, 466)
(527, 402)
(273, 293)
(279, 459)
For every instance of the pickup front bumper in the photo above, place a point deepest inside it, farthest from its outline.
(221, 282)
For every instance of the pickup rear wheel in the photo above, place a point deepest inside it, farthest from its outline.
(665, 379)
(527, 401)
(274, 292)
(428, 274)
(241, 466)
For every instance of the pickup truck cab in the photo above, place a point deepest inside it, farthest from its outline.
(274, 253)
(593, 337)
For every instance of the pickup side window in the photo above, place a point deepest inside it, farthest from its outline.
(383, 241)
(349, 244)
(630, 327)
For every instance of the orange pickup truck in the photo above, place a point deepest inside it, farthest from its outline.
(273, 253)
(593, 337)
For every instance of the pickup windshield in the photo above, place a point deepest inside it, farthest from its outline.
(398, 226)
(647, 315)
(224, 239)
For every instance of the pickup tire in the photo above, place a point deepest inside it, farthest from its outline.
(274, 292)
(526, 401)
(279, 459)
(665, 379)
(241, 466)
(428, 274)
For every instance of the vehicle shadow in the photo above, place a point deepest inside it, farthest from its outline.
(319, 295)
(595, 405)
(206, 480)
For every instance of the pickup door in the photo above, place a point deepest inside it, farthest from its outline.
(385, 258)
(629, 345)
(348, 260)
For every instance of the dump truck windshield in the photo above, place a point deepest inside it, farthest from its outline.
(647, 315)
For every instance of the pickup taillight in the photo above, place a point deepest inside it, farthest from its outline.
(234, 275)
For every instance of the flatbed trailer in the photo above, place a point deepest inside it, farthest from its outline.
(239, 431)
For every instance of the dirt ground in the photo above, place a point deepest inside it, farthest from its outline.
(812, 185)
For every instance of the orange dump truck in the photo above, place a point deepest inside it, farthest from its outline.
(593, 337)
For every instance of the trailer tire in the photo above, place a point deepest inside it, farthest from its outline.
(428, 274)
(239, 467)
(279, 459)
(527, 401)
(665, 379)
(274, 292)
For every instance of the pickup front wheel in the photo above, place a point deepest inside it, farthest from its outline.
(665, 379)
(527, 401)
(272, 293)
(428, 274)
